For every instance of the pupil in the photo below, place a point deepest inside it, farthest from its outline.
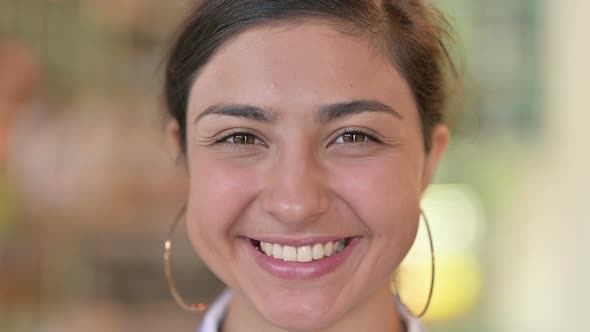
(244, 139)
(239, 139)
(353, 138)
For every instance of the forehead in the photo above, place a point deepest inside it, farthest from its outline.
(298, 66)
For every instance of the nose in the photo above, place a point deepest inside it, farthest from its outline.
(295, 192)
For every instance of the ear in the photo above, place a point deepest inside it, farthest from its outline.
(173, 136)
(440, 141)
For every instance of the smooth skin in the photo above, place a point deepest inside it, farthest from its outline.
(277, 166)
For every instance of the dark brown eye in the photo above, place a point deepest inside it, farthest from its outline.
(242, 139)
(352, 137)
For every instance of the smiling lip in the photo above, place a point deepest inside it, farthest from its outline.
(298, 270)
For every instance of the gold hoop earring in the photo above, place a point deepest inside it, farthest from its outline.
(427, 305)
(199, 307)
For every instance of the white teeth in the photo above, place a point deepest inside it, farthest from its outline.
(289, 254)
(277, 251)
(302, 254)
(317, 251)
(328, 249)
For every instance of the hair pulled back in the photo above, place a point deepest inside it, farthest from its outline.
(411, 33)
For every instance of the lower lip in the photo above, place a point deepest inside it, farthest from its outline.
(301, 271)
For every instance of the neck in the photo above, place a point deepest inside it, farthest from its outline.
(378, 313)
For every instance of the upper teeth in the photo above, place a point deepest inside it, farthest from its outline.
(302, 254)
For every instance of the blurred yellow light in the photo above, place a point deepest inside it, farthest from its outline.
(457, 286)
(457, 221)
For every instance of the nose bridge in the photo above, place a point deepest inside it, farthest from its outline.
(296, 190)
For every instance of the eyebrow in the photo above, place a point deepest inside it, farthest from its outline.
(325, 114)
(245, 111)
(338, 111)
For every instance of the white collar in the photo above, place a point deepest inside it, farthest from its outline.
(214, 315)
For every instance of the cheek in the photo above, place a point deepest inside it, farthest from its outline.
(218, 191)
(385, 196)
(218, 194)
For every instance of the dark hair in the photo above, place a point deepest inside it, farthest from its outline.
(412, 33)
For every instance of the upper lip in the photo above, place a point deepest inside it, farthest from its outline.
(300, 241)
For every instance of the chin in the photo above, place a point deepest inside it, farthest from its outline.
(293, 323)
(300, 316)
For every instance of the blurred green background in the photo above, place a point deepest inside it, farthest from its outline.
(88, 186)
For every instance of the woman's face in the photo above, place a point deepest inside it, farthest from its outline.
(301, 138)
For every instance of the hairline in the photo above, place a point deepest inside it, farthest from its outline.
(377, 39)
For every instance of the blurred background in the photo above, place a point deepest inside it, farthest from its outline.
(88, 185)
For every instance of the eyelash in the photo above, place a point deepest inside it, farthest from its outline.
(350, 131)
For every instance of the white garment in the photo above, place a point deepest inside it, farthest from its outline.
(216, 312)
